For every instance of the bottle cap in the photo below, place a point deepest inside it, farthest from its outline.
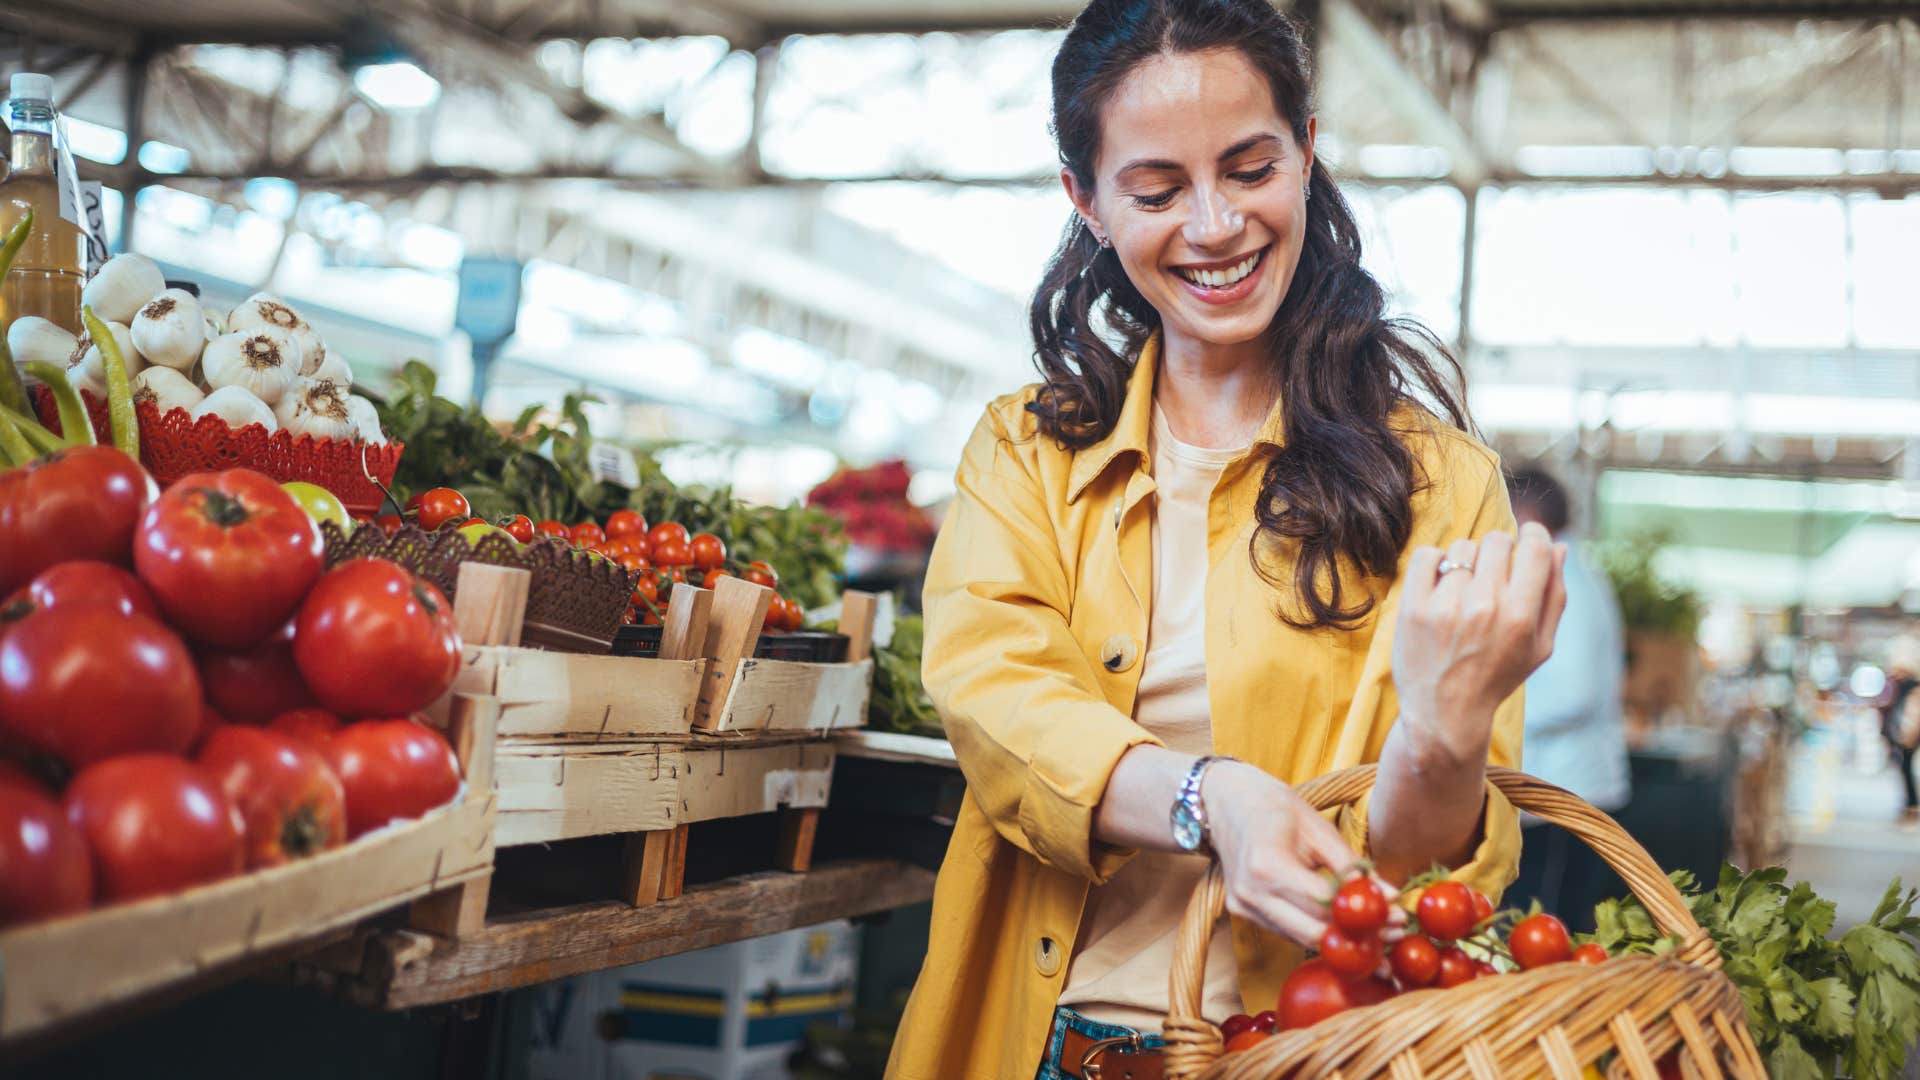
(30, 86)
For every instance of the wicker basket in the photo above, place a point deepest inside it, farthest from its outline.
(1549, 1022)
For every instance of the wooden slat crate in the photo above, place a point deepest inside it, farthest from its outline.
(61, 972)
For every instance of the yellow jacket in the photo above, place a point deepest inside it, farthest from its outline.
(1036, 613)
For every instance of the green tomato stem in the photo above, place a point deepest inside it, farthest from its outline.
(121, 419)
(76, 427)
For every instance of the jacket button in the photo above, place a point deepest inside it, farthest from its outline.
(1046, 956)
(1118, 653)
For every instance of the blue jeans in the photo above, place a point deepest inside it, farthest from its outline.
(1067, 1018)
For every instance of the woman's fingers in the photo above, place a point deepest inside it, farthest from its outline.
(1287, 918)
(1532, 568)
(1422, 568)
(1490, 564)
(1458, 566)
(1556, 604)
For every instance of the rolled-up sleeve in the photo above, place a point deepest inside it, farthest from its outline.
(1033, 733)
(1472, 503)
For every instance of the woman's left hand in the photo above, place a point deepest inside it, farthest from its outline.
(1468, 638)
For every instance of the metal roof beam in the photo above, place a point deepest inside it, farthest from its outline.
(1352, 28)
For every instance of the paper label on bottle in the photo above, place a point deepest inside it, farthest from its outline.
(69, 196)
(95, 225)
(612, 463)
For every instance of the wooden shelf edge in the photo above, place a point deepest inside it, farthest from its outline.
(405, 969)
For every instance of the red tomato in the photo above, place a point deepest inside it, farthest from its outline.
(210, 722)
(92, 583)
(1236, 1024)
(713, 577)
(79, 503)
(373, 640)
(647, 586)
(252, 686)
(44, 866)
(672, 553)
(414, 502)
(1539, 940)
(473, 521)
(1360, 906)
(289, 799)
(761, 574)
(617, 547)
(1456, 967)
(1353, 956)
(796, 616)
(389, 523)
(551, 527)
(626, 523)
(1267, 1021)
(12, 772)
(1484, 968)
(776, 619)
(586, 533)
(1445, 911)
(601, 548)
(311, 726)
(87, 683)
(1415, 960)
(155, 824)
(652, 618)
(441, 505)
(229, 555)
(520, 528)
(1590, 953)
(1482, 907)
(633, 560)
(667, 531)
(1247, 1039)
(677, 575)
(391, 769)
(709, 551)
(1314, 991)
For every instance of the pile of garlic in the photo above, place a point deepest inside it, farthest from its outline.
(263, 365)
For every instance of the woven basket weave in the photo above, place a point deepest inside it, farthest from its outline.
(1549, 1022)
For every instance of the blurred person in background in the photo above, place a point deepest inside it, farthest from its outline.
(1575, 735)
(1900, 716)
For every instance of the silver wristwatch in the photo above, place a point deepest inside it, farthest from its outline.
(1189, 814)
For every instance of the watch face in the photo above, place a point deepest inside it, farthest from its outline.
(1187, 831)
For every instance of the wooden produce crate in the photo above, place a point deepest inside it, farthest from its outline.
(57, 975)
(601, 745)
(743, 693)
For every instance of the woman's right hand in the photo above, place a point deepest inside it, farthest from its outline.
(1272, 847)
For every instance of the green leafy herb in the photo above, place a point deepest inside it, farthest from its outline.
(900, 702)
(1818, 1006)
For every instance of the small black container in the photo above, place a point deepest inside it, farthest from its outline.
(804, 646)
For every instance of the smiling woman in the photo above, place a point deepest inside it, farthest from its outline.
(1202, 562)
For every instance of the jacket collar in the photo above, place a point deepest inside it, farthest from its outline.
(1130, 433)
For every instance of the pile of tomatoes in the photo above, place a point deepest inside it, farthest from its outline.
(1454, 937)
(186, 692)
(663, 555)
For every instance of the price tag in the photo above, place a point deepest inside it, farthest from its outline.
(613, 464)
(69, 190)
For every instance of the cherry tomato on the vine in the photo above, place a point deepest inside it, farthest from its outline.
(1415, 960)
(761, 574)
(389, 523)
(1445, 911)
(672, 553)
(551, 527)
(709, 551)
(667, 531)
(586, 534)
(520, 528)
(1482, 907)
(1539, 940)
(1456, 967)
(1360, 906)
(1354, 956)
(1314, 991)
(441, 505)
(626, 523)
(1235, 1024)
(1591, 953)
(713, 578)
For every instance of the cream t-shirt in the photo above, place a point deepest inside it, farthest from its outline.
(1120, 965)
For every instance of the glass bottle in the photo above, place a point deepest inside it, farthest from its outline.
(49, 270)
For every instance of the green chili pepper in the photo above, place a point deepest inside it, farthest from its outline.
(13, 392)
(42, 440)
(76, 427)
(121, 420)
(13, 444)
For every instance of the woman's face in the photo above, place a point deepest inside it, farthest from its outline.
(1200, 185)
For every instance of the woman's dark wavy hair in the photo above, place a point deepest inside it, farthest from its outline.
(1341, 489)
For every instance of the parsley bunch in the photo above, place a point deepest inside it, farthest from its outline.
(1818, 1006)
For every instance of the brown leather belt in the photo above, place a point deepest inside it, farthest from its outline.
(1108, 1059)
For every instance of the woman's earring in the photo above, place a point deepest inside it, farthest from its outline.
(1307, 190)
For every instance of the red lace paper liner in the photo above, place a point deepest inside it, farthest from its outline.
(175, 445)
(574, 601)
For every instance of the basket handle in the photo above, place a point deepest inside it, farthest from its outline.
(1189, 1033)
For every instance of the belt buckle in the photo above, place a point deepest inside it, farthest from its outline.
(1091, 1071)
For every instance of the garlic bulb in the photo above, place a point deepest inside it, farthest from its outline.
(96, 364)
(238, 407)
(78, 378)
(264, 310)
(123, 286)
(170, 330)
(167, 389)
(262, 361)
(313, 407)
(34, 338)
(334, 370)
(366, 420)
(214, 327)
